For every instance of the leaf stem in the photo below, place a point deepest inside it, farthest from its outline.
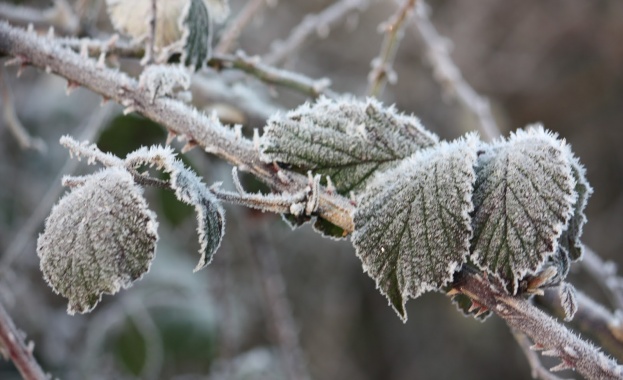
(20, 354)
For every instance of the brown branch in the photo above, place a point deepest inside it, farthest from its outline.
(231, 34)
(177, 117)
(12, 341)
(448, 74)
(546, 333)
(382, 70)
(331, 15)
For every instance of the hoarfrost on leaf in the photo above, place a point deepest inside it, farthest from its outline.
(99, 238)
(523, 199)
(190, 190)
(570, 243)
(346, 139)
(412, 226)
(568, 300)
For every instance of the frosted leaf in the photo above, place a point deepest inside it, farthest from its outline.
(568, 300)
(99, 238)
(190, 190)
(348, 140)
(570, 239)
(412, 226)
(523, 198)
(197, 35)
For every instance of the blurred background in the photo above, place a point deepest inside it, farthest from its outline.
(277, 302)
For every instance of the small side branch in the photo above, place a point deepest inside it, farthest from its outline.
(382, 70)
(12, 341)
(311, 24)
(448, 74)
(60, 16)
(231, 34)
(605, 274)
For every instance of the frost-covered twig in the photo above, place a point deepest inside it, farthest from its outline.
(233, 30)
(605, 274)
(11, 120)
(26, 233)
(538, 371)
(60, 16)
(382, 70)
(278, 307)
(273, 75)
(316, 23)
(12, 342)
(545, 332)
(449, 75)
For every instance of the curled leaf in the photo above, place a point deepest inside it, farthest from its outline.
(348, 140)
(412, 226)
(568, 300)
(99, 238)
(523, 199)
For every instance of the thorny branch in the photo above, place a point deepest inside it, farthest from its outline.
(12, 343)
(538, 371)
(29, 49)
(382, 70)
(317, 23)
(60, 16)
(449, 75)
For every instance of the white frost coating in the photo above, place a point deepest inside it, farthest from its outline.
(346, 139)
(568, 300)
(99, 238)
(188, 189)
(523, 197)
(412, 226)
(162, 80)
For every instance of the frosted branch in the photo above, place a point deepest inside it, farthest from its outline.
(12, 342)
(538, 371)
(605, 274)
(14, 125)
(316, 23)
(60, 16)
(544, 331)
(233, 30)
(448, 74)
(382, 70)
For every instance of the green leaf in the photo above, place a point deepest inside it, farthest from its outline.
(523, 198)
(190, 190)
(347, 139)
(412, 226)
(99, 238)
(570, 239)
(197, 34)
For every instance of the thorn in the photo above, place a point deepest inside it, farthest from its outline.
(170, 136)
(128, 110)
(481, 311)
(453, 292)
(552, 352)
(238, 131)
(537, 347)
(104, 100)
(84, 49)
(564, 365)
(189, 146)
(237, 184)
(314, 199)
(112, 41)
(353, 198)
(51, 33)
(31, 28)
(473, 307)
(101, 61)
(48, 70)
(256, 139)
(30, 347)
(330, 187)
(71, 86)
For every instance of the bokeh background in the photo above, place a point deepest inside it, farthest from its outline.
(557, 62)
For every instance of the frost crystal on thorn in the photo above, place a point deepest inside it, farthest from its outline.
(347, 139)
(523, 198)
(99, 238)
(412, 227)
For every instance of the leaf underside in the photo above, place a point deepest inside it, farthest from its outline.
(347, 140)
(99, 238)
(412, 227)
(197, 48)
(523, 198)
